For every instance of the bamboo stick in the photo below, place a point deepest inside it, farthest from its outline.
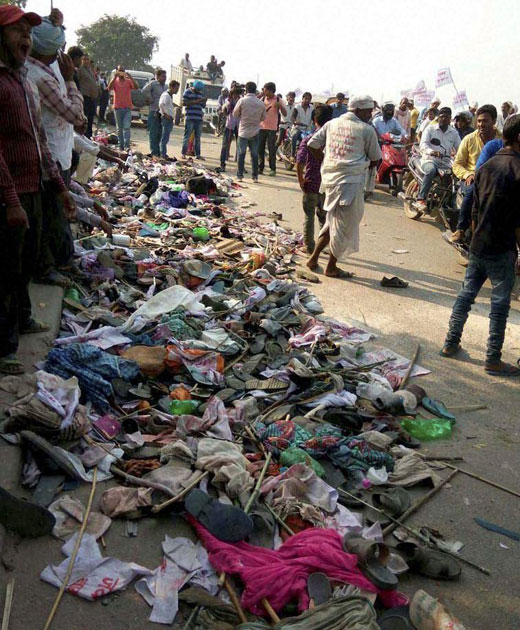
(161, 506)
(234, 600)
(484, 480)
(9, 592)
(72, 560)
(408, 372)
(256, 490)
(143, 483)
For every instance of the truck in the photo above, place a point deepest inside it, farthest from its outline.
(212, 90)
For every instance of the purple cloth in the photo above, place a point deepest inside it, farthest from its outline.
(311, 174)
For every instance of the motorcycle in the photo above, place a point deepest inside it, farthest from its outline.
(441, 202)
(393, 166)
(284, 151)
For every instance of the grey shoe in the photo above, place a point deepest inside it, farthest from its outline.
(449, 349)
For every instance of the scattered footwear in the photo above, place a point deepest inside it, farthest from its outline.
(318, 588)
(429, 562)
(394, 283)
(393, 502)
(397, 618)
(372, 559)
(34, 326)
(30, 520)
(225, 522)
(438, 408)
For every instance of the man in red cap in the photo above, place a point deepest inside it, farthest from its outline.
(24, 161)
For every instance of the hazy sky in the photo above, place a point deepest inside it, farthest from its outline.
(378, 47)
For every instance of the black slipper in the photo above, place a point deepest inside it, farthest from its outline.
(394, 283)
(225, 522)
(23, 517)
(396, 619)
(318, 587)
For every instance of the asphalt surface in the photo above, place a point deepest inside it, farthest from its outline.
(487, 439)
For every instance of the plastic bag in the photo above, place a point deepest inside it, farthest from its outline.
(427, 613)
(425, 429)
(297, 455)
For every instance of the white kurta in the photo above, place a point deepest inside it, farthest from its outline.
(350, 145)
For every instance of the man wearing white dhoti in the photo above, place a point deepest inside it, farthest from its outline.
(349, 148)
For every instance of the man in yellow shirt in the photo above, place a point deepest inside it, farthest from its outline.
(466, 161)
(414, 116)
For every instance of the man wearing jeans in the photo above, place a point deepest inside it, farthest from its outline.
(194, 102)
(274, 107)
(493, 251)
(250, 112)
(153, 91)
(167, 113)
(122, 85)
(437, 145)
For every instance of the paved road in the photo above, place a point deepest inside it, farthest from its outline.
(488, 439)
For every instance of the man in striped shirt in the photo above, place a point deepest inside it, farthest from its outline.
(24, 161)
(194, 102)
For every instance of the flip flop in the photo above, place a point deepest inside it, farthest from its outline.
(11, 366)
(438, 408)
(318, 587)
(225, 522)
(396, 619)
(429, 562)
(394, 283)
(393, 502)
(34, 326)
(23, 517)
(372, 558)
(342, 274)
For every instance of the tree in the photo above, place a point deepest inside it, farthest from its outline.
(19, 3)
(118, 40)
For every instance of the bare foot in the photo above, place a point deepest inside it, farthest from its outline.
(312, 264)
(336, 272)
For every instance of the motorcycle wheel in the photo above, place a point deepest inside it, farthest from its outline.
(411, 195)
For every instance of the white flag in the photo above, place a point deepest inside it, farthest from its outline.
(443, 77)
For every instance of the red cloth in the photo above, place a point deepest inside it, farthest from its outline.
(282, 575)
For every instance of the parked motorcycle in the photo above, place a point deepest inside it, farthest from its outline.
(441, 202)
(393, 166)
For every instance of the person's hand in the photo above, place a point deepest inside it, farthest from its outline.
(469, 180)
(66, 67)
(436, 154)
(106, 227)
(16, 217)
(68, 204)
(56, 17)
(100, 210)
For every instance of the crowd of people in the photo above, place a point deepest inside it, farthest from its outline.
(49, 101)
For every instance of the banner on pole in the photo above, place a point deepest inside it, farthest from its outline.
(443, 77)
(424, 99)
(460, 100)
(420, 88)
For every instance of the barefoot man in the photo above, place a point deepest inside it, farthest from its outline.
(349, 148)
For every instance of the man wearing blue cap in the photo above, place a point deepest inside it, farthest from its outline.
(194, 102)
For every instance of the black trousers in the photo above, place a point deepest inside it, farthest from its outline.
(89, 108)
(18, 257)
(267, 136)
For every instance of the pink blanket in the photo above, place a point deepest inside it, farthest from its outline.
(281, 575)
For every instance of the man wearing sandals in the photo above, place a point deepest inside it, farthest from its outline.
(24, 159)
(350, 149)
(493, 249)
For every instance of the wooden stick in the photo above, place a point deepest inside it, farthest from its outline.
(72, 560)
(484, 480)
(9, 592)
(270, 610)
(467, 407)
(177, 497)
(280, 521)
(143, 483)
(256, 491)
(234, 600)
(410, 368)
(412, 509)
(416, 534)
(255, 439)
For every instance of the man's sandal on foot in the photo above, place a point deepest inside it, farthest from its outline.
(34, 326)
(449, 349)
(502, 369)
(11, 366)
(340, 273)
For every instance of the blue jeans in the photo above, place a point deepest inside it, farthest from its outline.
(227, 138)
(430, 170)
(167, 126)
(189, 126)
(243, 143)
(500, 269)
(154, 132)
(123, 122)
(295, 139)
(464, 220)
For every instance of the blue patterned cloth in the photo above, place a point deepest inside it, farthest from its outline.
(94, 368)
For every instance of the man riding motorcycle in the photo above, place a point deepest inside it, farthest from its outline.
(285, 120)
(436, 155)
(301, 117)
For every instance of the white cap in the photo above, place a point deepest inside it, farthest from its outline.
(361, 102)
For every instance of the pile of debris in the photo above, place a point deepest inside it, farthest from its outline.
(193, 375)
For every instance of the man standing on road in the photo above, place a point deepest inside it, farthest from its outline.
(76, 54)
(309, 177)
(167, 114)
(466, 161)
(231, 126)
(493, 251)
(274, 106)
(250, 112)
(24, 159)
(302, 118)
(436, 155)
(89, 89)
(339, 108)
(351, 148)
(122, 85)
(153, 91)
(194, 102)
